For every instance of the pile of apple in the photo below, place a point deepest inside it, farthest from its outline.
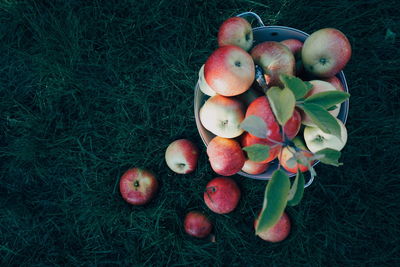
(274, 101)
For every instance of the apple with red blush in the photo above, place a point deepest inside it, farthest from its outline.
(275, 59)
(138, 186)
(181, 156)
(197, 224)
(236, 31)
(229, 70)
(277, 233)
(225, 155)
(326, 52)
(222, 195)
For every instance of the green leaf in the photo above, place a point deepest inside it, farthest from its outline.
(255, 126)
(327, 99)
(257, 152)
(275, 199)
(296, 191)
(328, 156)
(322, 118)
(282, 102)
(296, 85)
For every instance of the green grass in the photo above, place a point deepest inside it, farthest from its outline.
(91, 88)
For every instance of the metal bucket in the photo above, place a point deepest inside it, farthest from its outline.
(261, 34)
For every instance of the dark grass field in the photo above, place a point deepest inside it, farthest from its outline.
(89, 89)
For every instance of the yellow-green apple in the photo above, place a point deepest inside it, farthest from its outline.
(236, 31)
(138, 186)
(197, 224)
(316, 139)
(225, 155)
(326, 52)
(319, 86)
(222, 116)
(275, 59)
(204, 87)
(222, 195)
(278, 232)
(229, 70)
(181, 156)
(335, 82)
(252, 167)
(288, 152)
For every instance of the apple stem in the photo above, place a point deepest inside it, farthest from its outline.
(136, 183)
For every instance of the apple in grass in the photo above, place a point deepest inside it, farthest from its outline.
(197, 224)
(275, 59)
(317, 140)
(225, 155)
(252, 167)
(278, 232)
(229, 70)
(236, 31)
(181, 156)
(319, 86)
(138, 186)
(326, 52)
(222, 195)
(222, 116)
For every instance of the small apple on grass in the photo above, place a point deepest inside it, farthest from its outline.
(138, 186)
(278, 232)
(229, 70)
(197, 224)
(236, 31)
(222, 195)
(326, 52)
(181, 156)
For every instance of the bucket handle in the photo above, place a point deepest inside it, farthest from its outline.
(252, 14)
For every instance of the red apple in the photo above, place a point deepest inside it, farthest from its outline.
(294, 46)
(326, 52)
(225, 155)
(181, 156)
(236, 31)
(292, 126)
(252, 167)
(335, 82)
(261, 108)
(229, 70)
(278, 232)
(138, 186)
(222, 195)
(222, 116)
(197, 224)
(275, 59)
